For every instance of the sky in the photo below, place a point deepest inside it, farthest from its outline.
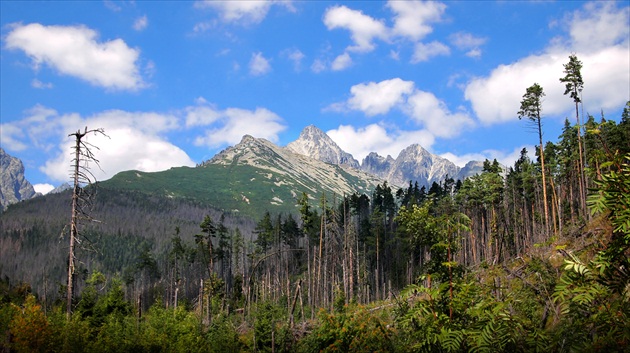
(173, 83)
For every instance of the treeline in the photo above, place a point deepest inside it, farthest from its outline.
(34, 244)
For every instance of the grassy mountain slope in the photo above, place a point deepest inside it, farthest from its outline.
(248, 179)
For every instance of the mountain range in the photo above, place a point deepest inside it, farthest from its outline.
(414, 163)
(255, 174)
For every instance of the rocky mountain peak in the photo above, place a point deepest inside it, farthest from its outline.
(13, 185)
(314, 143)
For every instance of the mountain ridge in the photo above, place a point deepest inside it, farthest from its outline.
(414, 163)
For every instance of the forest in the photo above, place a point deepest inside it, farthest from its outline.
(529, 258)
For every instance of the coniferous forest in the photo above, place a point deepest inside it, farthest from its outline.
(529, 258)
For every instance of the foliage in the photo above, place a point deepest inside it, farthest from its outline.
(355, 330)
(29, 327)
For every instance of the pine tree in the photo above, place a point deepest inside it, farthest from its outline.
(531, 108)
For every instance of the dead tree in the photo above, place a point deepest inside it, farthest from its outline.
(81, 199)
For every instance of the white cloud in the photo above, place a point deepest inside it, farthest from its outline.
(363, 28)
(424, 52)
(505, 158)
(376, 138)
(75, 51)
(598, 25)
(474, 53)
(423, 108)
(136, 140)
(605, 74)
(243, 12)
(11, 136)
(341, 62)
(379, 98)
(412, 18)
(412, 21)
(201, 115)
(43, 188)
(295, 56)
(111, 5)
(259, 65)
(605, 69)
(468, 42)
(318, 66)
(464, 40)
(41, 85)
(435, 116)
(236, 122)
(141, 23)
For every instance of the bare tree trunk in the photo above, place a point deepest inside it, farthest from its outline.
(544, 179)
(80, 174)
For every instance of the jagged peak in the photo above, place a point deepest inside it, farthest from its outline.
(315, 143)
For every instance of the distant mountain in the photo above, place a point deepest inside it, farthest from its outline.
(470, 169)
(250, 178)
(377, 165)
(414, 163)
(417, 164)
(314, 143)
(61, 188)
(13, 185)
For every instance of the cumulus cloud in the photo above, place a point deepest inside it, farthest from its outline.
(236, 122)
(504, 158)
(201, 115)
(137, 140)
(12, 137)
(605, 68)
(434, 115)
(468, 42)
(424, 109)
(43, 188)
(259, 65)
(464, 40)
(295, 56)
(379, 98)
(41, 85)
(76, 51)
(341, 62)
(377, 138)
(598, 25)
(141, 23)
(412, 19)
(245, 12)
(363, 28)
(318, 66)
(424, 52)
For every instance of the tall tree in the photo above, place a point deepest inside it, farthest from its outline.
(81, 176)
(531, 108)
(573, 86)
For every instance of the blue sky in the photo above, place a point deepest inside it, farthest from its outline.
(173, 83)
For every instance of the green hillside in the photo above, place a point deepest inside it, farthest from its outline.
(236, 189)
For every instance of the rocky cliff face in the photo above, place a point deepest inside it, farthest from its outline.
(296, 170)
(377, 165)
(471, 168)
(413, 163)
(13, 185)
(314, 143)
